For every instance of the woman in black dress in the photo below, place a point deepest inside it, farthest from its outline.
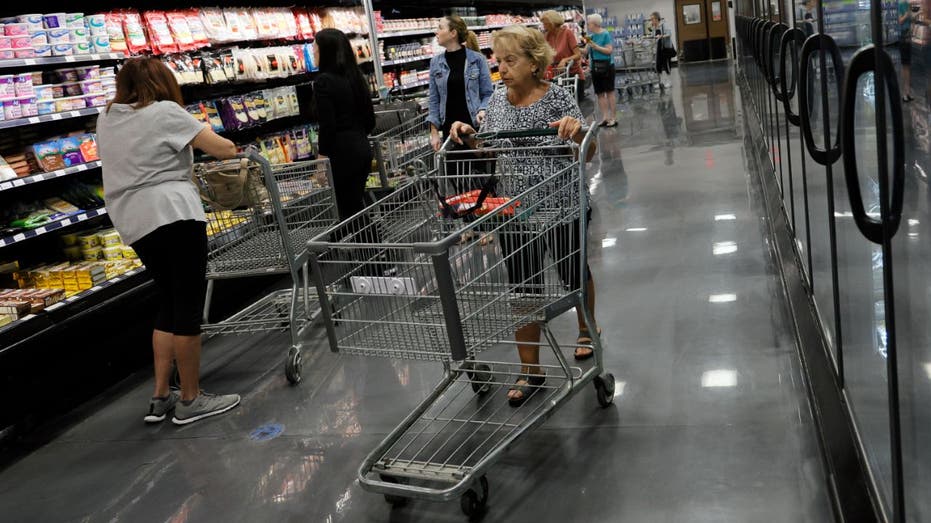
(345, 116)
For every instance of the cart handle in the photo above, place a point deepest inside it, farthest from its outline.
(522, 133)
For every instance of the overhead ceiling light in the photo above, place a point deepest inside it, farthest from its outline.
(722, 298)
(636, 229)
(724, 248)
(719, 378)
(724, 217)
(607, 243)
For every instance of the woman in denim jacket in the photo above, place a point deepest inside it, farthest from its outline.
(460, 83)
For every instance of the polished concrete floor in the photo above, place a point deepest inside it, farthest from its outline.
(710, 423)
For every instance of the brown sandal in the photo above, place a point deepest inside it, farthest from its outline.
(585, 339)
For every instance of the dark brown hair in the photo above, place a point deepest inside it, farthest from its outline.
(465, 36)
(143, 81)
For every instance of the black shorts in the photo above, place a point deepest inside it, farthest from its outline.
(603, 83)
(176, 257)
(524, 257)
(905, 50)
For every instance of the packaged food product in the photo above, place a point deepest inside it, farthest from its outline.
(92, 253)
(93, 86)
(39, 37)
(21, 42)
(101, 44)
(70, 147)
(78, 34)
(47, 107)
(181, 31)
(34, 21)
(24, 53)
(81, 48)
(198, 33)
(58, 36)
(16, 29)
(22, 85)
(75, 20)
(48, 154)
(78, 102)
(58, 90)
(160, 34)
(43, 50)
(96, 23)
(63, 50)
(29, 106)
(233, 113)
(7, 54)
(89, 148)
(215, 25)
(134, 30)
(88, 240)
(213, 116)
(37, 78)
(72, 89)
(95, 100)
(109, 237)
(115, 36)
(6, 42)
(12, 110)
(54, 20)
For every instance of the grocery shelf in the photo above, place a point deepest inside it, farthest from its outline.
(415, 85)
(415, 32)
(53, 226)
(41, 177)
(53, 60)
(20, 122)
(417, 58)
(95, 289)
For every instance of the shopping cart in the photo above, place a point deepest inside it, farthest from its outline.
(403, 150)
(404, 284)
(264, 232)
(637, 76)
(565, 79)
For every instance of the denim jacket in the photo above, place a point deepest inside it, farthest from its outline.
(478, 86)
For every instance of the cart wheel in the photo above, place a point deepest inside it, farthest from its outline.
(294, 366)
(472, 504)
(604, 387)
(394, 501)
(481, 379)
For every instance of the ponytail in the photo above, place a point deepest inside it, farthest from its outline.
(471, 41)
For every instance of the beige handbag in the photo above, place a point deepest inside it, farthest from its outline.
(231, 184)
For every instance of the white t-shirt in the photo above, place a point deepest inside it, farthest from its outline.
(147, 161)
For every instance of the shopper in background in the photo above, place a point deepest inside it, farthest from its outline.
(600, 47)
(460, 82)
(905, 47)
(145, 138)
(566, 47)
(345, 116)
(664, 50)
(523, 56)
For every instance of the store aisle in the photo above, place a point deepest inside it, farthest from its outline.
(711, 421)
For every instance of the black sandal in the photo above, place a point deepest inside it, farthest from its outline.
(585, 339)
(534, 381)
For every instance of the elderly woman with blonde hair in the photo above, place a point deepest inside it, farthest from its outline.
(564, 44)
(530, 102)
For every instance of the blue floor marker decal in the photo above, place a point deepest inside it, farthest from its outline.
(267, 432)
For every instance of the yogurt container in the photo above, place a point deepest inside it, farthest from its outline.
(78, 34)
(100, 43)
(59, 36)
(39, 37)
(22, 85)
(67, 75)
(43, 50)
(91, 72)
(37, 78)
(7, 54)
(12, 110)
(7, 90)
(54, 20)
(58, 91)
(82, 48)
(72, 89)
(29, 107)
(6, 42)
(24, 53)
(92, 253)
(62, 50)
(34, 21)
(78, 102)
(75, 20)
(44, 92)
(16, 29)
(21, 42)
(45, 107)
(91, 87)
(97, 24)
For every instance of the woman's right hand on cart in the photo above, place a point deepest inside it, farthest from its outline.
(460, 132)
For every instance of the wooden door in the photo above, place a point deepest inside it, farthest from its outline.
(692, 22)
(718, 28)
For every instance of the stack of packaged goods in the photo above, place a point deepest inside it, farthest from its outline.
(239, 112)
(36, 93)
(95, 245)
(54, 34)
(26, 153)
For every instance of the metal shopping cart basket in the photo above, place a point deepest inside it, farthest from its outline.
(637, 74)
(405, 284)
(403, 150)
(565, 79)
(262, 231)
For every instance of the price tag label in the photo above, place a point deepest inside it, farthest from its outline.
(81, 218)
(39, 177)
(75, 114)
(18, 183)
(95, 56)
(29, 61)
(69, 58)
(34, 119)
(19, 237)
(5, 186)
(96, 288)
(56, 116)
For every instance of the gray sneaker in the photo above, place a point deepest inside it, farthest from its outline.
(159, 408)
(204, 406)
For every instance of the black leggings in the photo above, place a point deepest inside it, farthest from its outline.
(176, 257)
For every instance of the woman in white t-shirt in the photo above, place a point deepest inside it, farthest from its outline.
(145, 139)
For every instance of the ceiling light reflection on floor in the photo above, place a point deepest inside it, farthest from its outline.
(928, 370)
(722, 298)
(636, 229)
(619, 387)
(724, 217)
(607, 243)
(720, 248)
(719, 378)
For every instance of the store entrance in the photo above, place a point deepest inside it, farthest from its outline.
(703, 29)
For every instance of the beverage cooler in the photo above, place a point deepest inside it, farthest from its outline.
(837, 96)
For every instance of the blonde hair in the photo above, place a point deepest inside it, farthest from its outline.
(466, 37)
(528, 41)
(596, 19)
(552, 17)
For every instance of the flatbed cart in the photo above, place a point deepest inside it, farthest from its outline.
(264, 231)
(403, 284)
(637, 75)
